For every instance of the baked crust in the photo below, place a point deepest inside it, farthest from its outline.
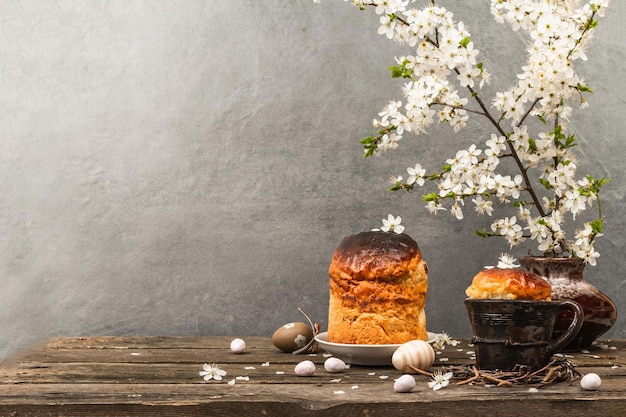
(378, 287)
(509, 284)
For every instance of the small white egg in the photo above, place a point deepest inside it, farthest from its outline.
(237, 346)
(417, 353)
(590, 382)
(334, 365)
(305, 368)
(405, 383)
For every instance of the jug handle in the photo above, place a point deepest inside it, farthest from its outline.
(572, 330)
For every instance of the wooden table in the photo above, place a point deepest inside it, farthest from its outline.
(114, 376)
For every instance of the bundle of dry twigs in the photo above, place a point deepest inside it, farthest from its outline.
(558, 370)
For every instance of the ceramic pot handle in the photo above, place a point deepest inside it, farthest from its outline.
(572, 330)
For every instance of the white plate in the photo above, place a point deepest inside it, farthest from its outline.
(373, 355)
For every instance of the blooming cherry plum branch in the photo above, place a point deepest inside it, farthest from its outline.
(528, 121)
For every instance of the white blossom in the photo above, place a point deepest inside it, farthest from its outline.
(506, 261)
(440, 380)
(392, 223)
(212, 372)
(416, 175)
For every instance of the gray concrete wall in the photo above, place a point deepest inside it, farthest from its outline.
(187, 168)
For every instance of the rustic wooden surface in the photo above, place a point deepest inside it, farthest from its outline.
(146, 376)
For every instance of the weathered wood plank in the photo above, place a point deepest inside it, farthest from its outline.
(153, 350)
(153, 342)
(323, 395)
(88, 373)
(502, 408)
(294, 400)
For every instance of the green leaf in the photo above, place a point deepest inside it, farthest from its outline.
(465, 41)
(483, 233)
(430, 197)
(396, 71)
(597, 226)
(603, 181)
(370, 144)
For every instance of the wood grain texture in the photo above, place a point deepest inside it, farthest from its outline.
(112, 376)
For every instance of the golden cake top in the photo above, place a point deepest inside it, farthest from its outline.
(375, 255)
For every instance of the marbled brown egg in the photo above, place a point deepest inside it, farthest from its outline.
(292, 336)
(417, 353)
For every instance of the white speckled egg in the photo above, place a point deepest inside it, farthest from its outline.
(417, 353)
(590, 382)
(405, 383)
(305, 368)
(334, 365)
(292, 336)
(237, 346)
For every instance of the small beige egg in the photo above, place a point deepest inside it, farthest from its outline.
(405, 383)
(590, 382)
(305, 368)
(237, 346)
(417, 353)
(334, 365)
(292, 336)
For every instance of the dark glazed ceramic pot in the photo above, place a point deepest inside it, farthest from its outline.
(568, 283)
(509, 334)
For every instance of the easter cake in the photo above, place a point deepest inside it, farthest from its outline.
(378, 286)
(509, 284)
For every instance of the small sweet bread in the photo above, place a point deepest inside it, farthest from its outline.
(509, 284)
